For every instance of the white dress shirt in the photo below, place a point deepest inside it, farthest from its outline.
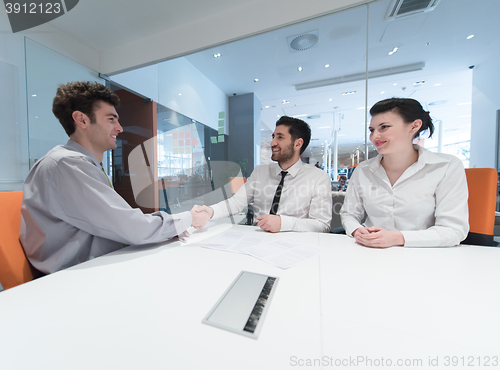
(428, 203)
(70, 214)
(305, 203)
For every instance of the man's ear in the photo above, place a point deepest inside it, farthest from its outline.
(80, 119)
(298, 143)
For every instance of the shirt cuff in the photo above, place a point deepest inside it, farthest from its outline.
(218, 213)
(286, 223)
(182, 221)
(421, 238)
(350, 226)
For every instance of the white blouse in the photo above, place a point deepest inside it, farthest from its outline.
(428, 203)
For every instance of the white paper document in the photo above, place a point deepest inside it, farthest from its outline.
(235, 241)
(283, 253)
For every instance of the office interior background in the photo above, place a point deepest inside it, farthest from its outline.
(202, 84)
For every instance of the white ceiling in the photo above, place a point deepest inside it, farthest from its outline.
(437, 38)
(114, 25)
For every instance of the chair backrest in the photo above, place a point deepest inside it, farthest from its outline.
(14, 266)
(236, 183)
(337, 202)
(482, 183)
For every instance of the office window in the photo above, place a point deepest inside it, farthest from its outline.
(329, 71)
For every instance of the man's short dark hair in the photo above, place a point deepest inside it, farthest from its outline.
(298, 129)
(81, 96)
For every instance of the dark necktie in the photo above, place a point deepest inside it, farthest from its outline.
(277, 195)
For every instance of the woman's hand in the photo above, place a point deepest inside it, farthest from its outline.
(376, 237)
(358, 232)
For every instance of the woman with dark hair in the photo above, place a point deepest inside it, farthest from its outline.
(411, 197)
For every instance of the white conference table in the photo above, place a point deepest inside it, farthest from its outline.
(141, 308)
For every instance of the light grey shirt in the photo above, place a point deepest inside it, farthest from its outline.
(70, 214)
(305, 203)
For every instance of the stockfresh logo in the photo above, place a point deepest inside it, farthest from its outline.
(28, 14)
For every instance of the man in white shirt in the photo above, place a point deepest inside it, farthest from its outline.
(70, 211)
(288, 195)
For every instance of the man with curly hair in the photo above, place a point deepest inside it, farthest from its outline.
(70, 211)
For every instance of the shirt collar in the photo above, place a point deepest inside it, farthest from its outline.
(292, 171)
(73, 145)
(424, 157)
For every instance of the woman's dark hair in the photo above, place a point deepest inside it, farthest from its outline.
(298, 130)
(81, 96)
(409, 109)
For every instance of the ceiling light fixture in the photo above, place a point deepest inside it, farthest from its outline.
(393, 50)
(217, 55)
(256, 80)
(327, 65)
(330, 99)
(285, 102)
(382, 92)
(418, 83)
(33, 95)
(394, 84)
(267, 106)
(437, 84)
(349, 93)
(299, 69)
(438, 102)
(362, 76)
(469, 37)
(180, 94)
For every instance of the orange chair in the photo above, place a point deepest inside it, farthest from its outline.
(482, 183)
(14, 266)
(236, 183)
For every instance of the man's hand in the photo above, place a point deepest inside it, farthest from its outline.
(198, 208)
(183, 236)
(271, 223)
(376, 237)
(201, 215)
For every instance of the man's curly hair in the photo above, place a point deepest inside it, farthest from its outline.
(80, 96)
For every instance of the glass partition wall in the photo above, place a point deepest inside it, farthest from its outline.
(45, 71)
(329, 71)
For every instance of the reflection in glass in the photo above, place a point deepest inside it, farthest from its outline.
(45, 71)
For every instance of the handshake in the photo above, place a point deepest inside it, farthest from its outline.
(201, 215)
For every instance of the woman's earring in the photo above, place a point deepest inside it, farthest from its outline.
(412, 131)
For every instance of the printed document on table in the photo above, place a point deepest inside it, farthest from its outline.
(283, 253)
(235, 241)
